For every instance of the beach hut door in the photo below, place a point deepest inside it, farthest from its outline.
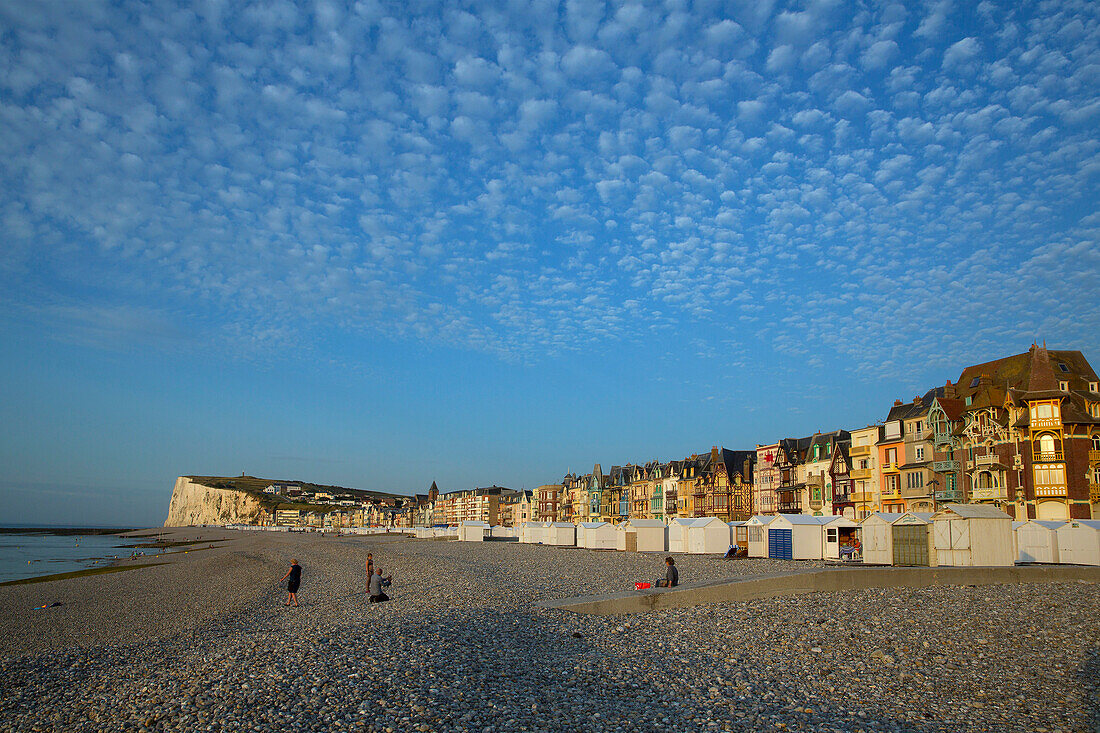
(779, 544)
(631, 541)
(911, 544)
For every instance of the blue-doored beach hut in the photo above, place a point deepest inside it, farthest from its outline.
(796, 537)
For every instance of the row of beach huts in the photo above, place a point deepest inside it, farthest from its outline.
(956, 535)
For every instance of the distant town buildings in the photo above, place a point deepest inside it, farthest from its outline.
(1021, 433)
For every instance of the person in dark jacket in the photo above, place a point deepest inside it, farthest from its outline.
(293, 579)
(672, 575)
(377, 583)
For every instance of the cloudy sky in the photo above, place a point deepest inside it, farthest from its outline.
(378, 244)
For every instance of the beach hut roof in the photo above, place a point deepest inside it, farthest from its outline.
(1093, 523)
(474, 523)
(1048, 523)
(738, 524)
(707, 521)
(682, 521)
(643, 523)
(890, 517)
(975, 511)
(559, 524)
(805, 519)
(593, 525)
(761, 518)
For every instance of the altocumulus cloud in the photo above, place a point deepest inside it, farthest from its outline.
(536, 179)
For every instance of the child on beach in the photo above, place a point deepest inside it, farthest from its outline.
(672, 575)
(293, 579)
(370, 569)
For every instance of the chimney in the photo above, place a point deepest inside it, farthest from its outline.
(917, 401)
(898, 403)
(949, 390)
(985, 381)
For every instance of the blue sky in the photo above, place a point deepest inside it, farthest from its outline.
(378, 244)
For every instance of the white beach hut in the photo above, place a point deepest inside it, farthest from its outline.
(677, 534)
(757, 527)
(562, 534)
(739, 535)
(796, 537)
(1037, 540)
(1079, 542)
(642, 535)
(973, 535)
(708, 536)
(533, 533)
(840, 531)
(897, 538)
(597, 535)
(473, 531)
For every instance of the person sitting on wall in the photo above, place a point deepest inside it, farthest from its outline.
(672, 575)
(377, 583)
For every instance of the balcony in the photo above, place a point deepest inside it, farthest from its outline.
(941, 439)
(987, 461)
(1048, 456)
(789, 502)
(1046, 422)
(862, 497)
(842, 499)
(997, 492)
(891, 494)
(949, 495)
(858, 451)
(916, 493)
(945, 466)
(1045, 491)
(1094, 456)
(861, 473)
(1094, 492)
(890, 468)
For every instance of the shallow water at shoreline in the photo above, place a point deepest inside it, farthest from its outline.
(31, 555)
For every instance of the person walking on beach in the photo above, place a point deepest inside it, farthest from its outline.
(293, 579)
(370, 569)
(672, 575)
(377, 583)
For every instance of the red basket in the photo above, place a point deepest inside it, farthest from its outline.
(642, 586)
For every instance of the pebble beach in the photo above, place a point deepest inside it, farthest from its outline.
(204, 642)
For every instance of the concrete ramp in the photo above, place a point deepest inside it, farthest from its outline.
(797, 582)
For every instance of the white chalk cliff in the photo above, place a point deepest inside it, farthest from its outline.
(193, 503)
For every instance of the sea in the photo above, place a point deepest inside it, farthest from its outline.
(29, 555)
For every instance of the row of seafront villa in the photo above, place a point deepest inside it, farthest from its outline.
(1021, 433)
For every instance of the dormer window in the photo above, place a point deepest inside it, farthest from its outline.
(974, 382)
(1063, 367)
(1094, 387)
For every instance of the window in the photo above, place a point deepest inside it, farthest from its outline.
(1046, 443)
(1094, 387)
(917, 426)
(1064, 386)
(831, 534)
(1064, 368)
(863, 463)
(969, 399)
(1048, 475)
(1096, 441)
(920, 453)
(974, 382)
